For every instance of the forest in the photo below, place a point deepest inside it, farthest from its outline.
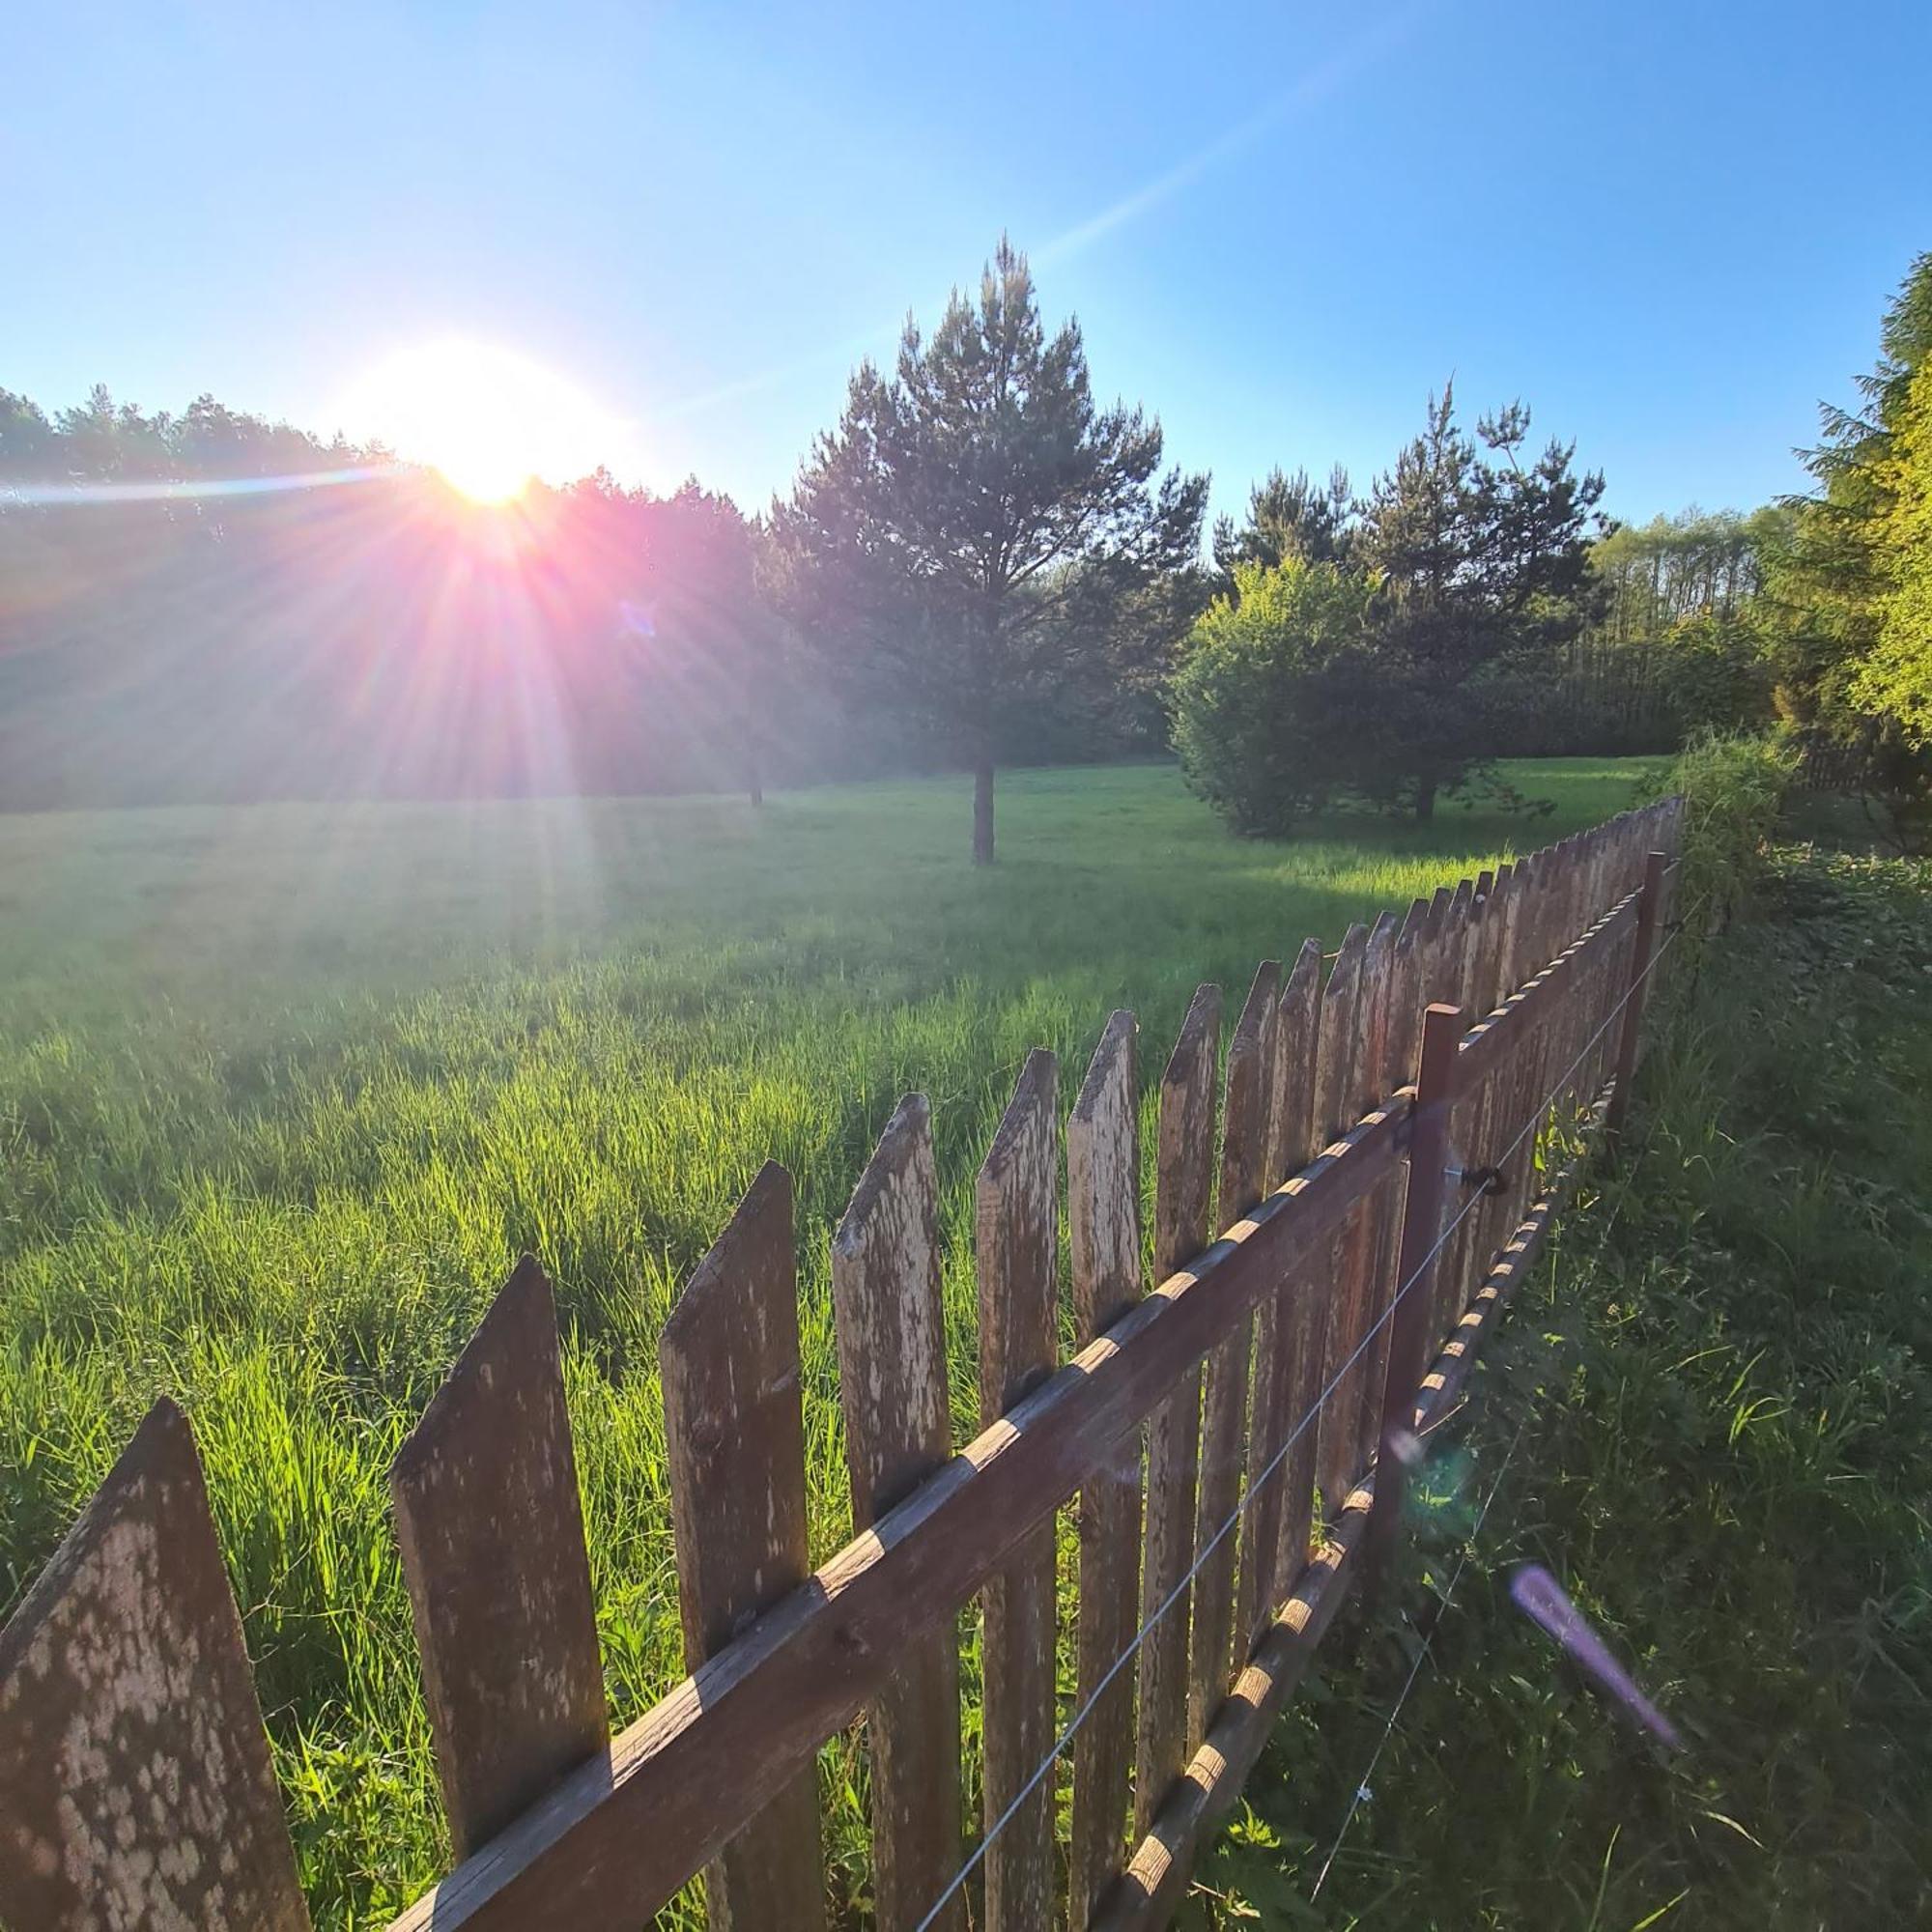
(978, 567)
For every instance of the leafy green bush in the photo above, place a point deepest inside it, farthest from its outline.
(1733, 791)
(1275, 696)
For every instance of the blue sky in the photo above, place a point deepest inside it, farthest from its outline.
(1668, 228)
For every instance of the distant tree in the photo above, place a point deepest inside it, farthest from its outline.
(1849, 578)
(27, 441)
(1475, 561)
(975, 525)
(1288, 517)
(1895, 679)
(701, 556)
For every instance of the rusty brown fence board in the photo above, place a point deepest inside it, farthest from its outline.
(1184, 1183)
(886, 1295)
(1341, 1016)
(1103, 1178)
(1224, 1418)
(135, 1787)
(734, 1435)
(1281, 1523)
(492, 1537)
(1016, 1229)
(1308, 1319)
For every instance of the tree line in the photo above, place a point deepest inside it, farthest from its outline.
(978, 564)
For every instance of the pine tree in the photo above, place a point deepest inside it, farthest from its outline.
(1288, 517)
(1477, 562)
(976, 526)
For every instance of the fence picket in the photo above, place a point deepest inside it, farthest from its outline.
(135, 1784)
(1103, 1185)
(891, 1387)
(1224, 1418)
(1278, 1524)
(734, 1435)
(1367, 1237)
(1185, 1180)
(1400, 1033)
(1017, 1231)
(1340, 1012)
(491, 1529)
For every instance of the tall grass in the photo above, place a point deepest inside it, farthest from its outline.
(284, 1090)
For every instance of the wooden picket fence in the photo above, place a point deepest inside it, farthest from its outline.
(1229, 1434)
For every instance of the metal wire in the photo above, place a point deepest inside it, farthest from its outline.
(1362, 1791)
(1248, 1493)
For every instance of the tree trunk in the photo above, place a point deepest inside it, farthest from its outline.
(983, 813)
(1425, 801)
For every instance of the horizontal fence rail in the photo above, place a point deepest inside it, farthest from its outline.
(1234, 1429)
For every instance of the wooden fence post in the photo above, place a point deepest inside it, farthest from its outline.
(1104, 1191)
(898, 1429)
(1436, 1083)
(734, 1435)
(1643, 955)
(1017, 1234)
(135, 1784)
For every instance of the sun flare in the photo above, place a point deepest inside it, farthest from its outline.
(485, 419)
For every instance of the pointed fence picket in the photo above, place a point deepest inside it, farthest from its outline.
(1103, 1180)
(1224, 1415)
(899, 1429)
(734, 1437)
(136, 1780)
(1184, 1181)
(1017, 1231)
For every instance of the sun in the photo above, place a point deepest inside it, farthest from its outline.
(485, 419)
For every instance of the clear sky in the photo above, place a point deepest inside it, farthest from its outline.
(1668, 226)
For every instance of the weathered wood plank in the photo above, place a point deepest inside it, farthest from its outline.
(891, 1387)
(1297, 1301)
(136, 1785)
(1397, 1069)
(1224, 1420)
(1341, 1021)
(1103, 1187)
(1367, 1247)
(735, 1432)
(1185, 1180)
(1286, 1089)
(491, 1531)
(623, 1832)
(1016, 1223)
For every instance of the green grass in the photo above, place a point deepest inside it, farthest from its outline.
(285, 1089)
(1727, 1459)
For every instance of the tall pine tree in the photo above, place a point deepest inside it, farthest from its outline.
(977, 528)
(1478, 560)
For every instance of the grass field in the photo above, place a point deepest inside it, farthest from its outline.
(285, 1089)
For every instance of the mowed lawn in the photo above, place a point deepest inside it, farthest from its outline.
(285, 1090)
